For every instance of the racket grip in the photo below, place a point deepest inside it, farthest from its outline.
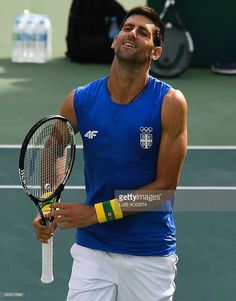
(47, 262)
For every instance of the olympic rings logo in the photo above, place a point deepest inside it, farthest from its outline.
(146, 130)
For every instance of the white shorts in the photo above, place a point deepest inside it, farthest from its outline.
(102, 276)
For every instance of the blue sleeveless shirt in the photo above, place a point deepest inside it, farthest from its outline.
(120, 148)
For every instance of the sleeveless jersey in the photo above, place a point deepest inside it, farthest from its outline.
(120, 149)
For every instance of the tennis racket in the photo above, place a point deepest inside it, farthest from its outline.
(46, 160)
(178, 45)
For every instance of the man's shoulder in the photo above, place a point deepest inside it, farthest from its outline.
(174, 104)
(175, 96)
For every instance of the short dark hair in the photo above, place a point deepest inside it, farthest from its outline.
(151, 14)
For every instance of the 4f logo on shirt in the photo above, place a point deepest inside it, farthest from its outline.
(91, 134)
(146, 137)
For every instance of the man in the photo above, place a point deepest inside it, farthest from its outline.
(135, 138)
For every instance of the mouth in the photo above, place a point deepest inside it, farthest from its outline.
(129, 45)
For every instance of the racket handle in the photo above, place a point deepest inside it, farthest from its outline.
(47, 262)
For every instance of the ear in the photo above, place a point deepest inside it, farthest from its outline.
(156, 53)
(114, 42)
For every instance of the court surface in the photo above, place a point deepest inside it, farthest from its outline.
(205, 216)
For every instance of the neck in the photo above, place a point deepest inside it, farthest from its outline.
(126, 82)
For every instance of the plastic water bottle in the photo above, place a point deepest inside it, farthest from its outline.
(24, 36)
(17, 50)
(114, 28)
(43, 40)
(30, 32)
(48, 26)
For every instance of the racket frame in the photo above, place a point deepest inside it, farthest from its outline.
(23, 153)
(169, 6)
(47, 249)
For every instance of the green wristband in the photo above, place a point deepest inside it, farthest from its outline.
(108, 211)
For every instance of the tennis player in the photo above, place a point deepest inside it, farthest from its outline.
(134, 135)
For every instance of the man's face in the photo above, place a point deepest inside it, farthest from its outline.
(134, 42)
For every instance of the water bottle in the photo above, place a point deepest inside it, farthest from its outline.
(17, 53)
(19, 47)
(43, 40)
(30, 32)
(114, 28)
(49, 37)
(25, 36)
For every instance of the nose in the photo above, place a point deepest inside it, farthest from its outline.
(132, 33)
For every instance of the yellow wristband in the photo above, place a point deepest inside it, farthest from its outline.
(100, 213)
(108, 211)
(115, 204)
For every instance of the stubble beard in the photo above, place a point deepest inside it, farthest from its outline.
(134, 59)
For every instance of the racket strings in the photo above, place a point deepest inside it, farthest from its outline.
(47, 158)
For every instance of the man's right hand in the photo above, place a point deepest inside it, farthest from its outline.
(42, 232)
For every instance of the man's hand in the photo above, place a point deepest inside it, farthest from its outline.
(43, 233)
(73, 215)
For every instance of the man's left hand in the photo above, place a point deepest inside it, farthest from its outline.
(73, 215)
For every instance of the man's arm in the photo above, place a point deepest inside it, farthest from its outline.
(171, 155)
(67, 110)
(173, 145)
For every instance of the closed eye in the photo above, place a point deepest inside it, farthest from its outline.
(144, 33)
(128, 28)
